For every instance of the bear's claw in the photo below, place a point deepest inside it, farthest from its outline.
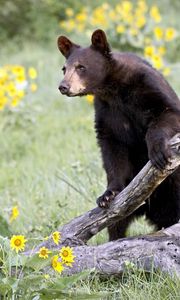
(104, 200)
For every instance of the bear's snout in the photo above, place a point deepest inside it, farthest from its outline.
(64, 88)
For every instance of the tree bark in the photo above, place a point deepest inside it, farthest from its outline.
(162, 249)
(158, 251)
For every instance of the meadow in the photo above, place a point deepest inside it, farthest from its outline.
(51, 169)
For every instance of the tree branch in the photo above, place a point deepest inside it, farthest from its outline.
(82, 228)
(110, 258)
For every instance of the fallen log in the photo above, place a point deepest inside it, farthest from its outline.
(158, 251)
(161, 249)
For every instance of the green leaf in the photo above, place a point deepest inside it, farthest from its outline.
(37, 263)
(15, 259)
(32, 282)
(62, 283)
(4, 289)
(54, 288)
(5, 231)
(4, 246)
(7, 285)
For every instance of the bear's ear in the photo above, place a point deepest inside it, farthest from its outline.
(99, 42)
(65, 45)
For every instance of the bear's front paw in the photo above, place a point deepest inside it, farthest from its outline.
(159, 156)
(104, 200)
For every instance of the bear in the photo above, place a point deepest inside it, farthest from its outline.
(136, 113)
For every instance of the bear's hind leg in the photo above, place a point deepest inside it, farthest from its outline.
(118, 230)
(164, 208)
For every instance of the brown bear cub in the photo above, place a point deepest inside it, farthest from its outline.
(136, 113)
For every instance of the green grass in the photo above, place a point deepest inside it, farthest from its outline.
(52, 145)
(134, 285)
(51, 168)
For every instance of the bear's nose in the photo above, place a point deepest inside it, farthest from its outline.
(64, 88)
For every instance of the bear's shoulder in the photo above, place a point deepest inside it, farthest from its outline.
(129, 59)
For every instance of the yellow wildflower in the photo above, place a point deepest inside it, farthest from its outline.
(62, 24)
(81, 17)
(133, 31)
(14, 213)
(3, 73)
(32, 73)
(69, 262)
(149, 51)
(118, 8)
(157, 61)
(33, 87)
(166, 71)
(90, 98)
(138, 13)
(162, 50)
(1, 106)
(142, 6)
(15, 101)
(127, 6)
(56, 237)
(43, 252)
(3, 101)
(20, 93)
(169, 34)
(99, 18)
(18, 242)
(158, 32)
(66, 253)
(11, 89)
(141, 21)
(120, 29)
(2, 82)
(112, 15)
(57, 265)
(20, 78)
(154, 13)
(18, 70)
(80, 27)
(2, 92)
(69, 12)
(70, 25)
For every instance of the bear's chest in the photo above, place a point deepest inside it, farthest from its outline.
(123, 122)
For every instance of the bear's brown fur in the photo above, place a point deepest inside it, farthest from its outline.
(136, 113)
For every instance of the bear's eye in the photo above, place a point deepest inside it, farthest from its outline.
(64, 70)
(80, 67)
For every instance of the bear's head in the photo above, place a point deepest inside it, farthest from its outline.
(85, 69)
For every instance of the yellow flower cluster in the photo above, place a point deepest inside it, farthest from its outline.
(65, 258)
(129, 25)
(156, 56)
(15, 81)
(58, 262)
